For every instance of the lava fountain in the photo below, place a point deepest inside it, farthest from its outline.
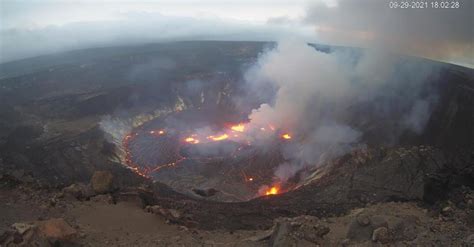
(272, 191)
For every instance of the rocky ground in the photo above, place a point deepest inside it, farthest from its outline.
(97, 214)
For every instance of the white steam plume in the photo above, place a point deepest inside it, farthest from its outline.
(317, 92)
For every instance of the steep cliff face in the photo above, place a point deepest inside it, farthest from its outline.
(52, 106)
(450, 125)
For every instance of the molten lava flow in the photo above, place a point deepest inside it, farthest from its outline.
(218, 138)
(160, 132)
(239, 128)
(128, 155)
(272, 191)
(286, 136)
(191, 140)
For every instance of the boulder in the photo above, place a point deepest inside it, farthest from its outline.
(172, 215)
(102, 182)
(447, 211)
(363, 219)
(74, 190)
(107, 198)
(260, 237)
(379, 220)
(22, 176)
(78, 191)
(11, 238)
(56, 230)
(359, 232)
(403, 228)
(22, 234)
(281, 235)
(22, 228)
(155, 209)
(381, 235)
(362, 226)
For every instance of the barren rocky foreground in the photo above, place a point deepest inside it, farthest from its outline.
(79, 216)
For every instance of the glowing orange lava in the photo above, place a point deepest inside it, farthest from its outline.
(272, 191)
(239, 128)
(218, 138)
(286, 136)
(191, 140)
(160, 132)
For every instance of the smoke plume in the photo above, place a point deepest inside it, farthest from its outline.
(437, 33)
(325, 99)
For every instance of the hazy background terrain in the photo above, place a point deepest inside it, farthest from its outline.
(32, 27)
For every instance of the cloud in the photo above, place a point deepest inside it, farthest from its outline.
(445, 34)
(134, 28)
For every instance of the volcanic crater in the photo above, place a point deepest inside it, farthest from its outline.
(197, 150)
(170, 113)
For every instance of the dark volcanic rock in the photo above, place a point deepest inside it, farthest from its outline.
(102, 182)
(205, 192)
(366, 176)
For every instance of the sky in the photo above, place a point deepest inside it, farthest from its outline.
(40, 13)
(35, 27)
